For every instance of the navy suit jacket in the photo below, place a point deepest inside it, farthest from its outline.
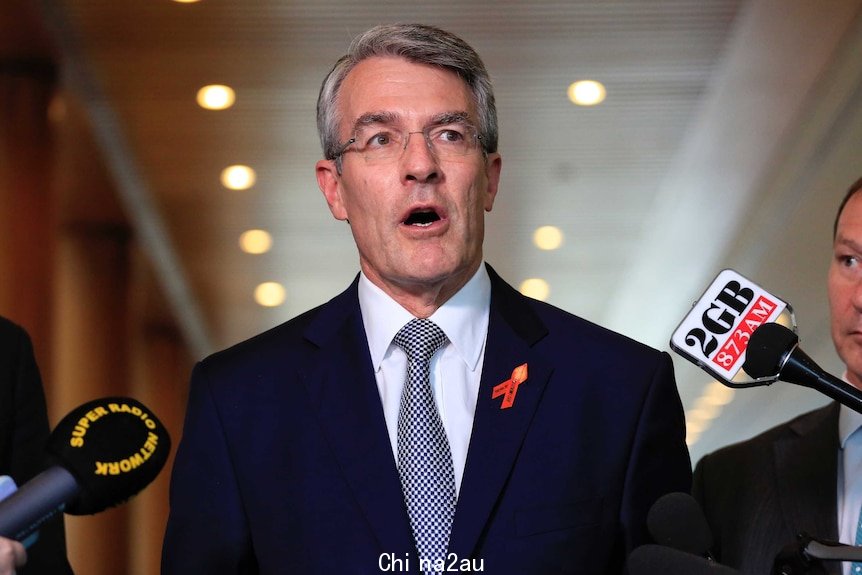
(23, 435)
(285, 464)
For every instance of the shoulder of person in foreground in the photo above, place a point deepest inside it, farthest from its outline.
(24, 432)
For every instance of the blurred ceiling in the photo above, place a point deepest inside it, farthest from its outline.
(730, 131)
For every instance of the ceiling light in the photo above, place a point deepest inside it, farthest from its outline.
(703, 414)
(706, 408)
(691, 437)
(269, 294)
(548, 238)
(718, 393)
(57, 109)
(255, 241)
(587, 93)
(535, 288)
(238, 177)
(695, 427)
(216, 97)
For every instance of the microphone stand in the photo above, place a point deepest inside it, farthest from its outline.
(805, 556)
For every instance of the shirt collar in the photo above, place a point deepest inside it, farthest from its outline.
(463, 318)
(849, 421)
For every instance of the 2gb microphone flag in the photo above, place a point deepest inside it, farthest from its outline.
(715, 333)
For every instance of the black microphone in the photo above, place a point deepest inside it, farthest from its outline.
(104, 452)
(774, 350)
(659, 560)
(805, 555)
(676, 520)
(830, 550)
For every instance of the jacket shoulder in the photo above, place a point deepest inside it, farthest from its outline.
(755, 446)
(542, 321)
(290, 341)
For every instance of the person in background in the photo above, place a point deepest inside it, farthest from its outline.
(804, 475)
(23, 435)
(430, 417)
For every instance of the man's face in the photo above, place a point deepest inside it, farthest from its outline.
(399, 250)
(845, 289)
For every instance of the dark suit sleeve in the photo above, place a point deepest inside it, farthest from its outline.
(699, 492)
(25, 433)
(206, 531)
(659, 460)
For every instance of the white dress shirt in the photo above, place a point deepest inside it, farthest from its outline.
(455, 370)
(849, 477)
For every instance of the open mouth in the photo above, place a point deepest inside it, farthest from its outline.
(422, 218)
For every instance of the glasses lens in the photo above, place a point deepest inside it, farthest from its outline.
(377, 143)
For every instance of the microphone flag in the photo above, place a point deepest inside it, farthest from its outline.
(715, 334)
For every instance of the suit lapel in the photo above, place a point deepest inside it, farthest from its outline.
(808, 491)
(341, 384)
(498, 433)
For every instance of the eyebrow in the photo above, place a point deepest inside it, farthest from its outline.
(389, 118)
(848, 243)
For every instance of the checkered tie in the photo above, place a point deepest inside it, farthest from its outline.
(424, 459)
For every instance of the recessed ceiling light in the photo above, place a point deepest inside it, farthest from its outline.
(548, 238)
(255, 241)
(718, 394)
(535, 288)
(238, 177)
(695, 427)
(186, 1)
(216, 97)
(57, 109)
(269, 294)
(587, 93)
(690, 436)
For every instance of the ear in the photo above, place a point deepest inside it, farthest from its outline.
(493, 165)
(329, 182)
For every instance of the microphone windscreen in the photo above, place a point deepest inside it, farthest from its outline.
(658, 560)
(767, 347)
(114, 447)
(676, 520)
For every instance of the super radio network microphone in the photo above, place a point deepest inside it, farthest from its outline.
(104, 452)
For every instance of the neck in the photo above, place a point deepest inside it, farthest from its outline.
(422, 299)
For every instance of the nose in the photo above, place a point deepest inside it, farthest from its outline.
(418, 162)
(856, 294)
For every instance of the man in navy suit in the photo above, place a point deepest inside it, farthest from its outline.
(559, 434)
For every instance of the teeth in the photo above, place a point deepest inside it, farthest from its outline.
(422, 218)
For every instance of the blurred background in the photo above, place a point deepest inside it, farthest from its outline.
(727, 134)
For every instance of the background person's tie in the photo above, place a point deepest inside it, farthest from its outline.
(424, 459)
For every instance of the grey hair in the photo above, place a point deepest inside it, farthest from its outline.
(420, 44)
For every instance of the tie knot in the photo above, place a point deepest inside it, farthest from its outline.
(420, 339)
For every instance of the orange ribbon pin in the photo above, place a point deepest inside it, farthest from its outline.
(509, 388)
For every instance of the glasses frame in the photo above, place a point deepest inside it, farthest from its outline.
(426, 133)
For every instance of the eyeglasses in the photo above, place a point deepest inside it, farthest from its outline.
(381, 143)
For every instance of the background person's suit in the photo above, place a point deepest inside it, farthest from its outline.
(758, 494)
(23, 434)
(285, 464)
